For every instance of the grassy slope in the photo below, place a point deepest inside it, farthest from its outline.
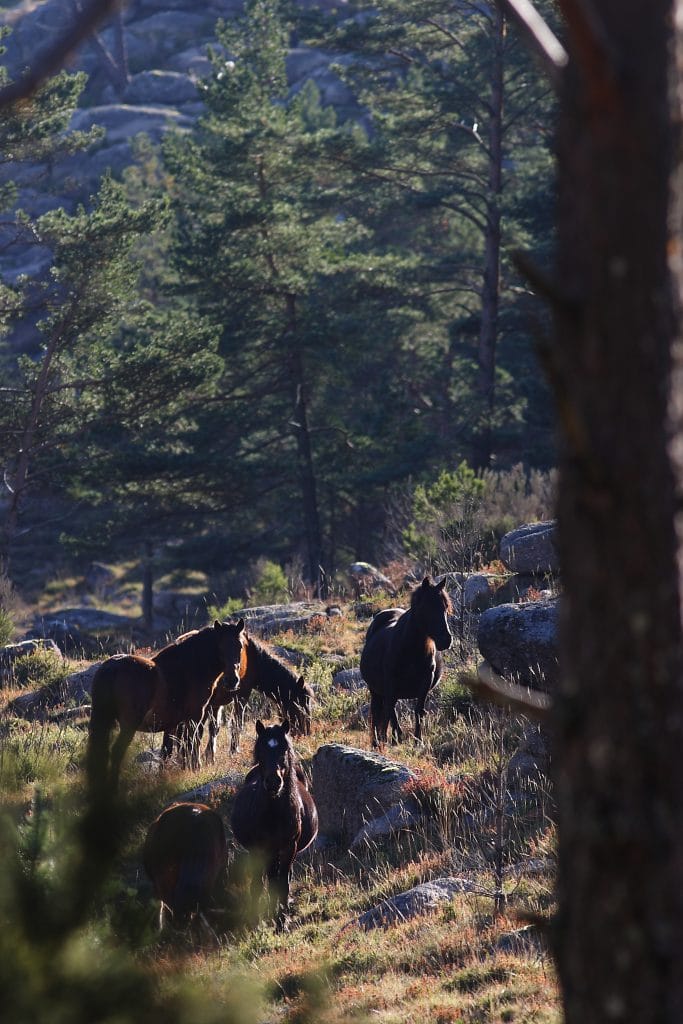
(445, 967)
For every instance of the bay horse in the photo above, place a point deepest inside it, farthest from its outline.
(274, 816)
(169, 692)
(261, 670)
(401, 657)
(184, 854)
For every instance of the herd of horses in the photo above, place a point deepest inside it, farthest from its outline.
(205, 678)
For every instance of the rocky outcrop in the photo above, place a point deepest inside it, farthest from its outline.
(37, 704)
(352, 787)
(531, 549)
(520, 642)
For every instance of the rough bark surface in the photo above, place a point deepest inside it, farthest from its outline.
(619, 714)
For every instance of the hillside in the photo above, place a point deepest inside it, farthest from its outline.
(466, 956)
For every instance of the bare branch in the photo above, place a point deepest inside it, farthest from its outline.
(492, 687)
(53, 57)
(541, 39)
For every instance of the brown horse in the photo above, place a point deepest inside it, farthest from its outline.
(184, 854)
(400, 658)
(261, 670)
(274, 815)
(168, 692)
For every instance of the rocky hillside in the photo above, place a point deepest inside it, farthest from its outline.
(143, 71)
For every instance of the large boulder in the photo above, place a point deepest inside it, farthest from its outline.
(520, 642)
(351, 787)
(75, 689)
(531, 549)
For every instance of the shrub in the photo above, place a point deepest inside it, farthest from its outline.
(42, 668)
(6, 601)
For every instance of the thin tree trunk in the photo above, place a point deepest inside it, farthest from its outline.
(488, 329)
(615, 360)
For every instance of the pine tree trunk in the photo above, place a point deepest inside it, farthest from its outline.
(617, 354)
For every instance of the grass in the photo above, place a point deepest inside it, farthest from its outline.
(440, 968)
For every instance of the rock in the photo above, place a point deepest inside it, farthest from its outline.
(523, 940)
(10, 652)
(213, 790)
(166, 88)
(366, 579)
(422, 899)
(348, 679)
(400, 816)
(278, 618)
(351, 787)
(530, 764)
(76, 687)
(530, 549)
(520, 642)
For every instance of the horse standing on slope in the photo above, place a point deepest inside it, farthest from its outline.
(274, 815)
(169, 692)
(184, 854)
(401, 657)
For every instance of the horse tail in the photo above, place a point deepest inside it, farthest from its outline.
(102, 719)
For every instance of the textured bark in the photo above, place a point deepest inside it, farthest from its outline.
(619, 715)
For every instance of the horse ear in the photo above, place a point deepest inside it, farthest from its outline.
(426, 582)
(259, 726)
(441, 584)
(240, 625)
(301, 683)
(217, 624)
(285, 726)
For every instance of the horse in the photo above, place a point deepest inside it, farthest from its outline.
(169, 692)
(401, 657)
(274, 816)
(261, 670)
(184, 853)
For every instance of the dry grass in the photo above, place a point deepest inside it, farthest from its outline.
(441, 968)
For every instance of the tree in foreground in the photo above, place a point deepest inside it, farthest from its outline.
(616, 366)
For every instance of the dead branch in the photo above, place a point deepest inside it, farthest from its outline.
(539, 36)
(493, 688)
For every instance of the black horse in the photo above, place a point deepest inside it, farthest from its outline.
(274, 815)
(170, 692)
(401, 659)
(184, 855)
(261, 670)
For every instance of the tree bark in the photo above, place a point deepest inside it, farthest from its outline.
(616, 364)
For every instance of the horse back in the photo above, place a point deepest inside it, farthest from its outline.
(184, 852)
(377, 640)
(126, 685)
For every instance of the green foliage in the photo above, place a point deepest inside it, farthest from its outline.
(271, 586)
(42, 668)
(458, 519)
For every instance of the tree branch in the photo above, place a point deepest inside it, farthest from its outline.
(538, 35)
(52, 57)
(492, 687)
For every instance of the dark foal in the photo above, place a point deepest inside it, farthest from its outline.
(401, 657)
(185, 852)
(274, 816)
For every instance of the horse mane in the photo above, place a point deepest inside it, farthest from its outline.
(275, 667)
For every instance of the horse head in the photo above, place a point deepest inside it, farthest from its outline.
(299, 707)
(273, 755)
(231, 638)
(431, 604)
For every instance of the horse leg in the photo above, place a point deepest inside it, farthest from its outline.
(214, 722)
(378, 720)
(279, 875)
(419, 715)
(119, 748)
(239, 708)
(396, 730)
